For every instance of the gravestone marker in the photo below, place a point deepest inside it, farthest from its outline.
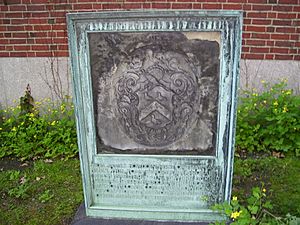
(155, 98)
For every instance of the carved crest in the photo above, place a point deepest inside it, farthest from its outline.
(156, 95)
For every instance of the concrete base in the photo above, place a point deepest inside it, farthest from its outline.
(81, 219)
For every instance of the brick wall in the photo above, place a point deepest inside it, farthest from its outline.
(37, 28)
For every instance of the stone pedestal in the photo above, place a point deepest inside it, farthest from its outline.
(82, 219)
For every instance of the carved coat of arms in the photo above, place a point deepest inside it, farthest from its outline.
(149, 92)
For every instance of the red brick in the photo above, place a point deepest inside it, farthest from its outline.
(42, 27)
(44, 41)
(36, 7)
(286, 15)
(19, 21)
(17, 41)
(270, 43)
(261, 22)
(246, 35)
(260, 35)
(111, 6)
(132, 6)
(15, 28)
(246, 7)
(259, 50)
(296, 57)
(20, 35)
(256, 42)
(61, 54)
(7, 35)
(4, 54)
(254, 56)
(197, 6)
(245, 49)
(285, 8)
(14, 15)
(3, 41)
(257, 14)
(59, 27)
(280, 50)
(83, 6)
(286, 29)
(18, 54)
(233, 6)
(295, 37)
(17, 8)
(269, 56)
(43, 54)
(97, 6)
(9, 47)
(39, 1)
(182, 6)
(146, 6)
(31, 54)
(38, 21)
(261, 7)
(280, 36)
(257, 1)
(3, 8)
(270, 29)
(284, 44)
(40, 47)
(272, 15)
(11, 2)
(60, 40)
(40, 14)
(282, 22)
(293, 51)
(63, 47)
(3, 28)
(58, 14)
(288, 1)
(212, 6)
(255, 29)
(62, 7)
(283, 57)
(22, 47)
(161, 5)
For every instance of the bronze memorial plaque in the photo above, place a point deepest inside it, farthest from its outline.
(155, 93)
(155, 102)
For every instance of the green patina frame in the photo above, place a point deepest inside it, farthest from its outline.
(229, 25)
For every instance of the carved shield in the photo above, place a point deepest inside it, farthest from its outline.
(156, 95)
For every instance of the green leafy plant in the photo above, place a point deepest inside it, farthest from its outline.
(255, 210)
(45, 196)
(47, 131)
(269, 121)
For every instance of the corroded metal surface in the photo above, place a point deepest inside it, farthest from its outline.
(155, 101)
(155, 92)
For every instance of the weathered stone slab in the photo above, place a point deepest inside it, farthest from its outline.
(155, 107)
(155, 93)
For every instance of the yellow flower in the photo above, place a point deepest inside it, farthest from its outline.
(14, 129)
(288, 92)
(275, 103)
(255, 104)
(53, 123)
(265, 101)
(285, 109)
(264, 190)
(254, 94)
(31, 115)
(1, 128)
(235, 215)
(234, 198)
(263, 81)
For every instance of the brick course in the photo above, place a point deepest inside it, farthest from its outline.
(37, 28)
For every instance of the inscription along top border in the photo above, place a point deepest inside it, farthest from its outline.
(229, 24)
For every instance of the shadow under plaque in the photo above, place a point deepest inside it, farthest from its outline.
(81, 219)
(155, 93)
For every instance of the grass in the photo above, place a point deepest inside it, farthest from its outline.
(280, 176)
(50, 192)
(44, 193)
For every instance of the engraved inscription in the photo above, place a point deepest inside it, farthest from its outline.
(156, 96)
(158, 182)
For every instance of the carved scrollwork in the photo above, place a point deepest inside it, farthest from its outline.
(156, 96)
